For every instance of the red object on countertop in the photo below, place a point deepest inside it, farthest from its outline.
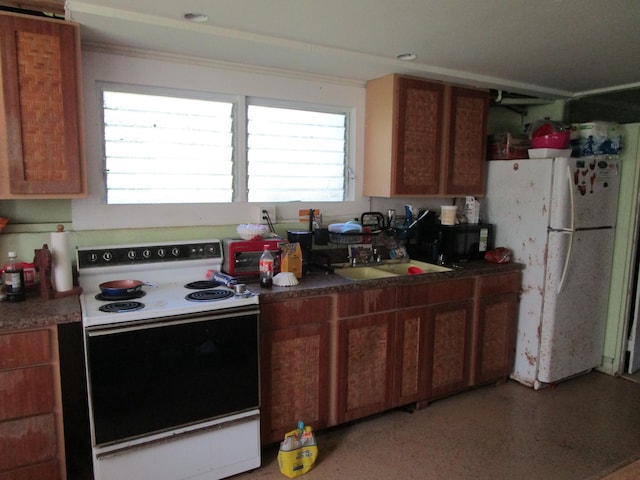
(498, 255)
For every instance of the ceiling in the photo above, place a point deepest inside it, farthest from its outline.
(545, 48)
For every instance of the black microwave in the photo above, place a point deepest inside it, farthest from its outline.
(437, 243)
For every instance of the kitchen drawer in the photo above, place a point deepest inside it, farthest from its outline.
(295, 312)
(366, 301)
(26, 391)
(42, 471)
(436, 292)
(27, 441)
(24, 349)
(498, 284)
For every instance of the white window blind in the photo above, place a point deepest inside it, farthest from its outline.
(295, 155)
(161, 149)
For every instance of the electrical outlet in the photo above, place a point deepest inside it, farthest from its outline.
(261, 217)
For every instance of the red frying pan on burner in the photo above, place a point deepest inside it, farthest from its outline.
(118, 288)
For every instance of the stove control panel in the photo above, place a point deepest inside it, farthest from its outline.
(88, 257)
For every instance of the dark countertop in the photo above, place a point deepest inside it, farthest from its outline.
(37, 313)
(322, 284)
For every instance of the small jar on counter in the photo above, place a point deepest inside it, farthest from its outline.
(14, 279)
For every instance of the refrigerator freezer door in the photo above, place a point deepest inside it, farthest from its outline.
(517, 203)
(587, 186)
(573, 322)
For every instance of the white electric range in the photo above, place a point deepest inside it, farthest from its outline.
(173, 380)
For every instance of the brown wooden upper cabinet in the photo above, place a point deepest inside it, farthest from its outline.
(424, 138)
(41, 134)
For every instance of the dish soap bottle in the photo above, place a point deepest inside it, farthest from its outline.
(266, 268)
(14, 279)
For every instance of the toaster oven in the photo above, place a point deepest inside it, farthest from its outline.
(242, 257)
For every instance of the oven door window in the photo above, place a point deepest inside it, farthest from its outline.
(161, 377)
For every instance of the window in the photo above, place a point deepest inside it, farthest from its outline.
(295, 155)
(161, 149)
(165, 148)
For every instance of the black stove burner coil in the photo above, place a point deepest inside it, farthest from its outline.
(202, 284)
(121, 307)
(209, 295)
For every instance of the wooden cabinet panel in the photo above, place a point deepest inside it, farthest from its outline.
(437, 292)
(366, 301)
(26, 391)
(413, 350)
(496, 337)
(27, 441)
(44, 152)
(22, 349)
(424, 138)
(498, 284)
(450, 330)
(497, 315)
(295, 379)
(29, 406)
(465, 162)
(365, 368)
(296, 312)
(419, 134)
(42, 471)
(294, 360)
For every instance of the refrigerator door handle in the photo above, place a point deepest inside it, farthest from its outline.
(566, 261)
(572, 203)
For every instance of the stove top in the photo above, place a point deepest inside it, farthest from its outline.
(176, 269)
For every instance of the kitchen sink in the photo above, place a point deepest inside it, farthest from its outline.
(403, 268)
(388, 270)
(363, 273)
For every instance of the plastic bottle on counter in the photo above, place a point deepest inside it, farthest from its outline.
(14, 279)
(266, 268)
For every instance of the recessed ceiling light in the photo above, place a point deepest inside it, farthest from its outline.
(196, 17)
(407, 57)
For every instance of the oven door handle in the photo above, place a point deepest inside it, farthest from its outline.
(93, 332)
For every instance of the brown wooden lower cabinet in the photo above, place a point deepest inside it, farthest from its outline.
(30, 410)
(449, 331)
(294, 359)
(365, 365)
(334, 358)
(413, 353)
(497, 312)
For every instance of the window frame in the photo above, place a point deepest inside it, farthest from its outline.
(240, 105)
(349, 167)
(149, 71)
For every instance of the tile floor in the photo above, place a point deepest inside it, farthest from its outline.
(581, 429)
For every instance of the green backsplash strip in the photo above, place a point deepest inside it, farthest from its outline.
(25, 238)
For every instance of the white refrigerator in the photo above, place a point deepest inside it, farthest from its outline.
(558, 217)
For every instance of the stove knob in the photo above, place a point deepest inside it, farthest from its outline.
(93, 257)
(146, 253)
(107, 256)
(131, 254)
(161, 252)
(175, 251)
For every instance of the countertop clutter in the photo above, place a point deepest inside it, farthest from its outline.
(36, 312)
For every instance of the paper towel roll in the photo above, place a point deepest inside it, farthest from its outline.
(61, 260)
